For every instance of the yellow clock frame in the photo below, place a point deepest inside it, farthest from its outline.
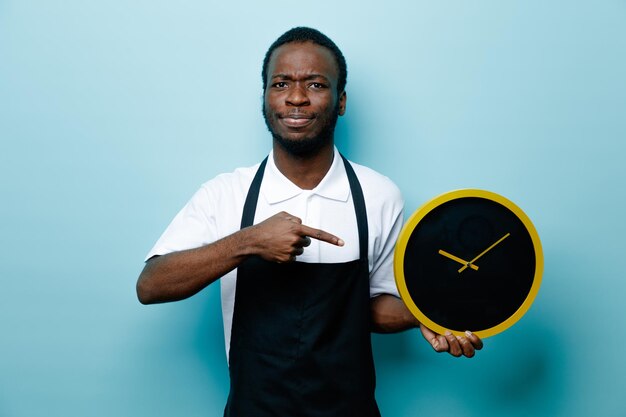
(414, 220)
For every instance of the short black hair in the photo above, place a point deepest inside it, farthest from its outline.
(305, 34)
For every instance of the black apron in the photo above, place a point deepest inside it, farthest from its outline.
(301, 343)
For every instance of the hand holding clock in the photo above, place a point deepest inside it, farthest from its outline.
(390, 315)
(455, 345)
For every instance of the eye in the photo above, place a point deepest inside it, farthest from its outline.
(318, 85)
(280, 84)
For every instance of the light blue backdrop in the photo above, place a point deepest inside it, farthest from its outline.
(112, 113)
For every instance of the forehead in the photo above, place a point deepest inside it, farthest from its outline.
(303, 58)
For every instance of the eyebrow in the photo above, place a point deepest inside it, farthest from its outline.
(307, 78)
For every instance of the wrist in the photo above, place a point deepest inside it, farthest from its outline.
(247, 241)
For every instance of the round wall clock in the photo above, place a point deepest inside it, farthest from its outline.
(468, 260)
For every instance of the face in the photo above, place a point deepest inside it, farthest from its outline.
(301, 103)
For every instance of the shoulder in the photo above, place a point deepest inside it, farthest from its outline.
(377, 188)
(224, 194)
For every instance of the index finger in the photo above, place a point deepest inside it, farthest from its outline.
(476, 341)
(321, 235)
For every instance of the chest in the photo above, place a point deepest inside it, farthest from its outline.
(333, 216)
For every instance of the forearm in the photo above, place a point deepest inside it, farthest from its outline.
(390, 315)
(180, 275)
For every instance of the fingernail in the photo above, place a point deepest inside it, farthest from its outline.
(340, 242)
(448, 333)
(468, 333)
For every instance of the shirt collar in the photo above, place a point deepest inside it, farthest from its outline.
(276, 188)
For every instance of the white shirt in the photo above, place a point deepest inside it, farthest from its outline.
(215, 212)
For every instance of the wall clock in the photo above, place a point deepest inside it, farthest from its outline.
(468, 260)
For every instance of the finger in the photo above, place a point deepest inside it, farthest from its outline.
(455, 348)
(444, 346)
(466, 346)
(439, 343)
(303, 242)
(285, 259)
(475, 340)
(297, 251)
(321, 235)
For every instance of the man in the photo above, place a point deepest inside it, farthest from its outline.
(303, 244)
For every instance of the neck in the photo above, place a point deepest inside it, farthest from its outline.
(306, 171)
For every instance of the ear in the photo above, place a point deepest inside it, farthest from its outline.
(342, 103)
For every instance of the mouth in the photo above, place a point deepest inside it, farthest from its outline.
(296, 121)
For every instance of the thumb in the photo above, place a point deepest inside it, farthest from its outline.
(438, 343)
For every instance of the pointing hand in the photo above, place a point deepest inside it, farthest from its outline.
(282, 237)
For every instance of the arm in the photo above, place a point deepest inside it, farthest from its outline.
(180, 275)
(389, 315)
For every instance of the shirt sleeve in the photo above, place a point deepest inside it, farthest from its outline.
(391, 219)
(193, 226)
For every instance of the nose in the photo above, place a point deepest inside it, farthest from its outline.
(297, 96)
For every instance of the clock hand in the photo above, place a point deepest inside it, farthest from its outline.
(484, 252)
(457, 259)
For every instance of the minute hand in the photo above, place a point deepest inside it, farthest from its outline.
(484, 252)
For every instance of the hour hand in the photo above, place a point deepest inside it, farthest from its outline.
(457, 259)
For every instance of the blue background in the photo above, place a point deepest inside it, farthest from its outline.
(113, 113)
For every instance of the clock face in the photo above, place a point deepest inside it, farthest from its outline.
(468, 260)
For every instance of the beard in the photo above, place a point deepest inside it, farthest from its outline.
(308, 145)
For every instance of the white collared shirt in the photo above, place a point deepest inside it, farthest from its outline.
(215, 212)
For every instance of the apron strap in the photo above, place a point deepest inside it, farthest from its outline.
(249, 208)
(359, 208)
